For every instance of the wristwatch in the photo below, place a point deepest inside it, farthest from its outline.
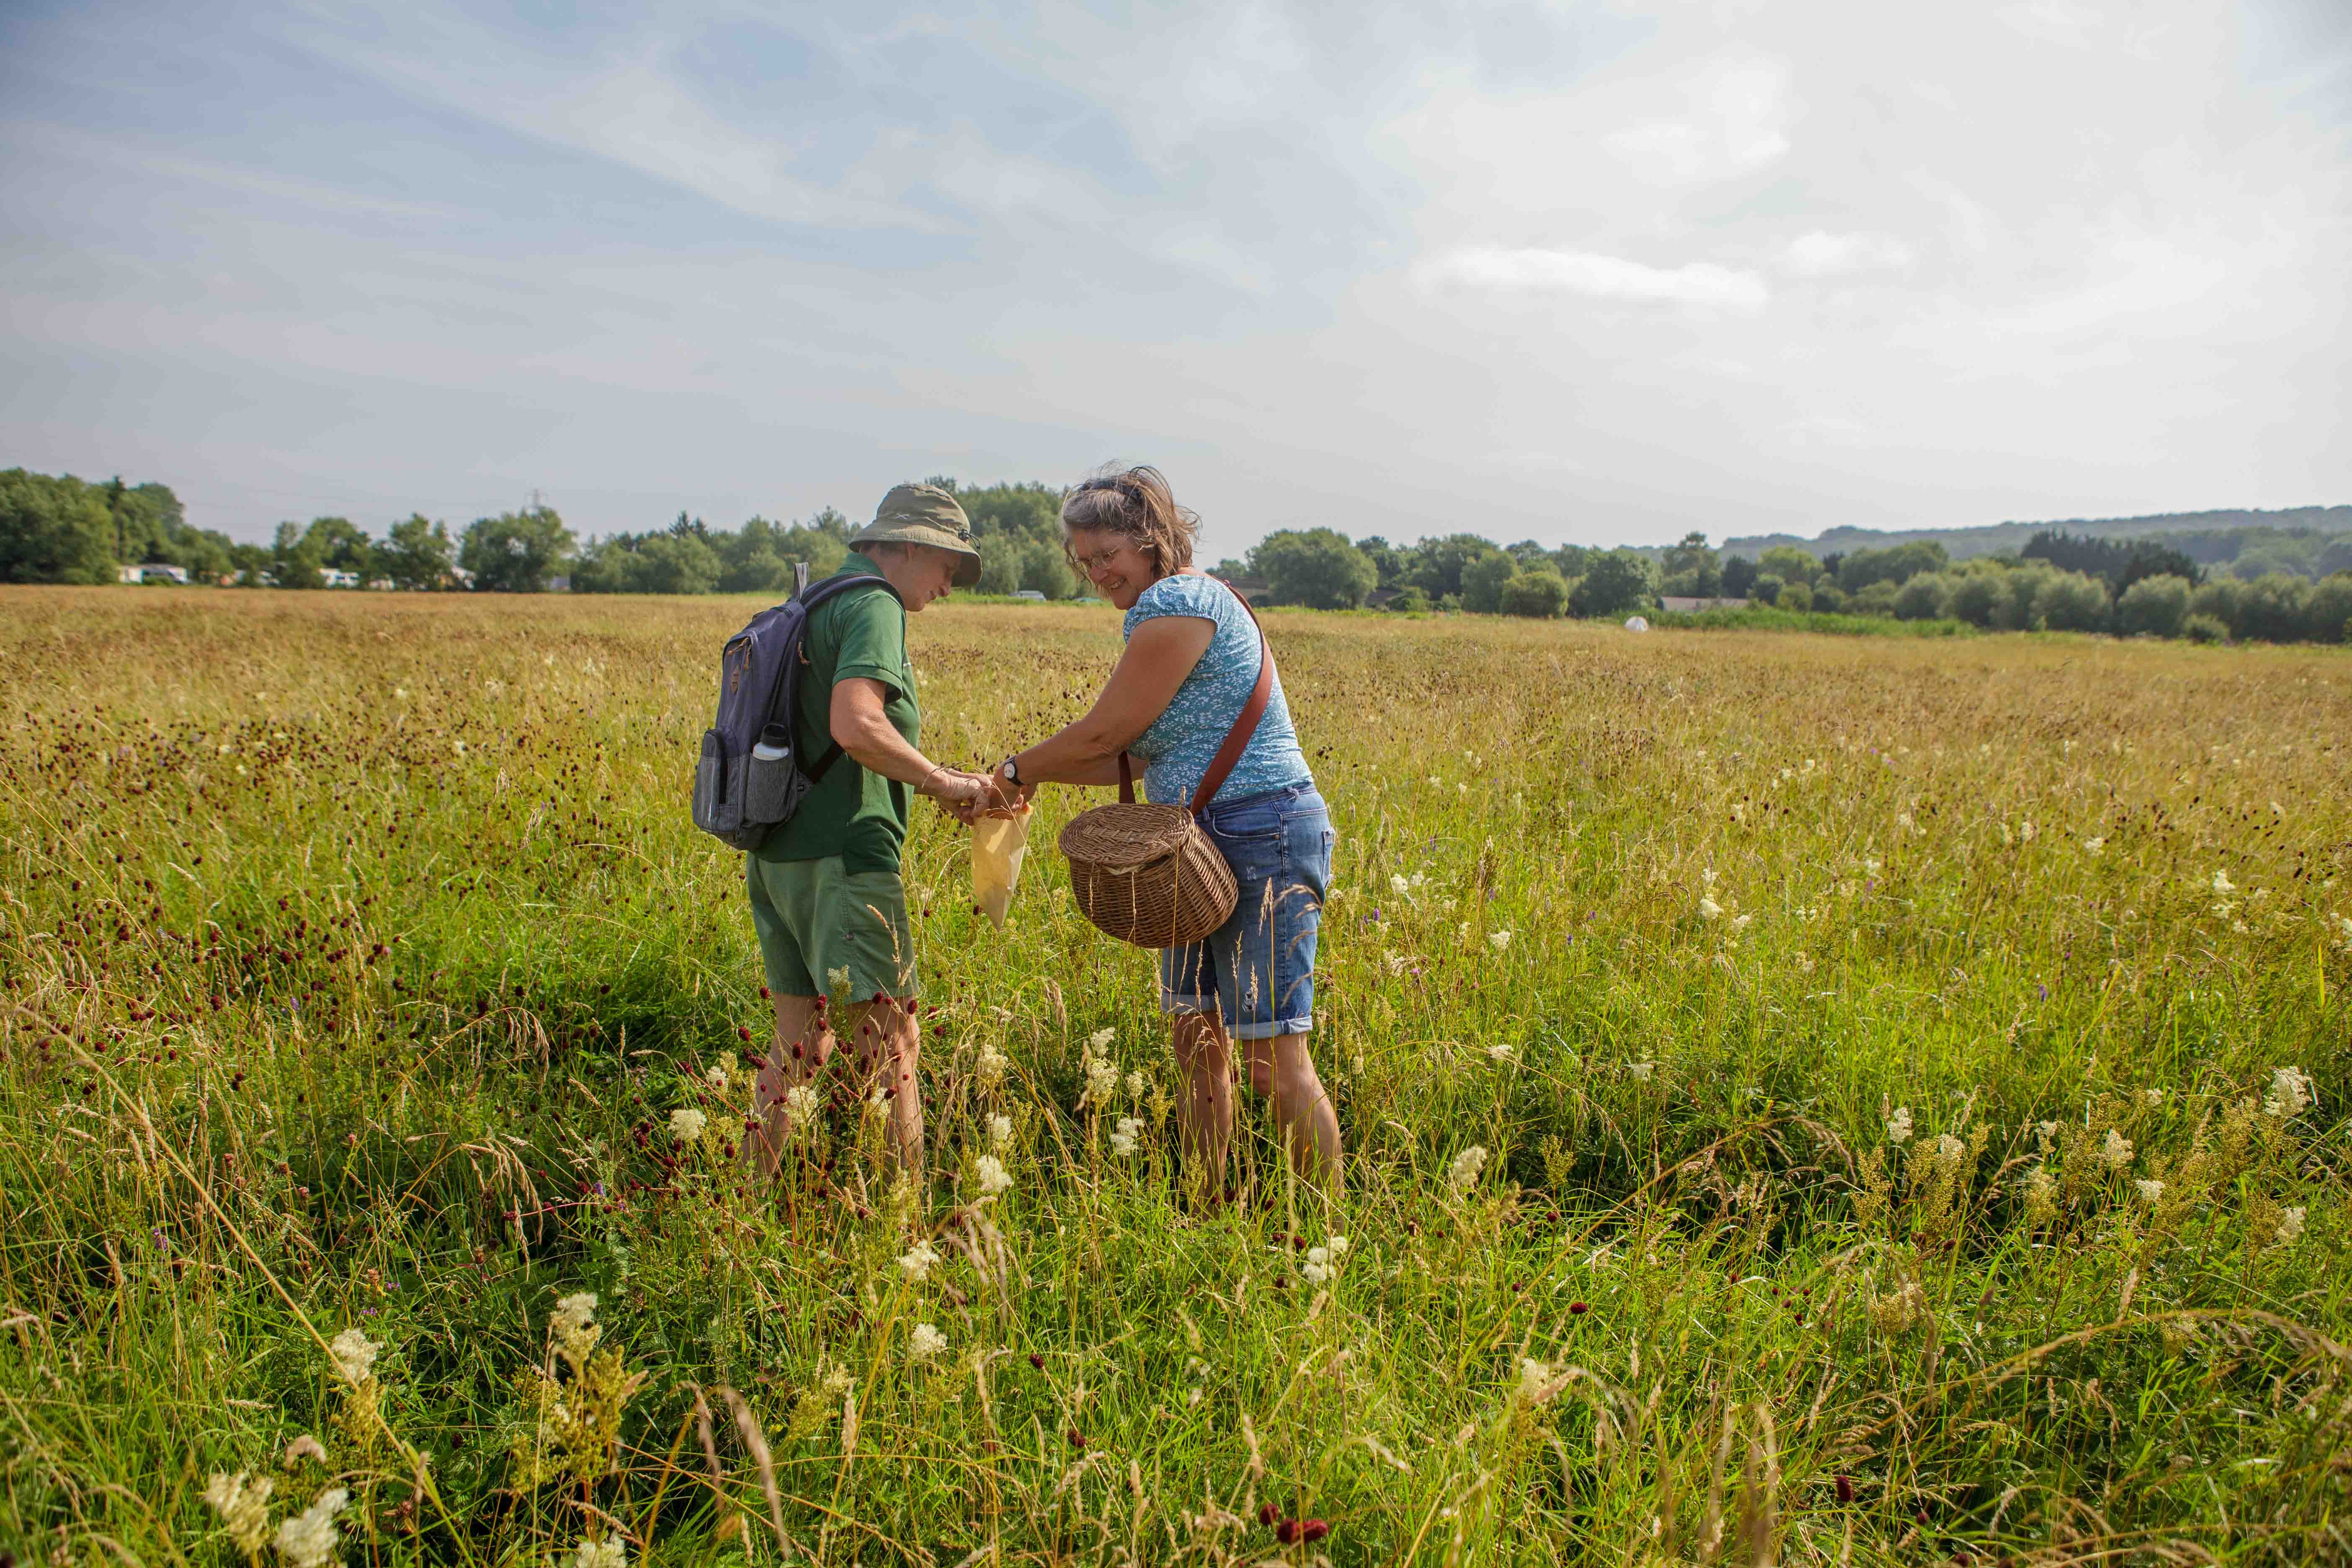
(1011, 771)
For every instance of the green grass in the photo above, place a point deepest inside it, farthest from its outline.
(354, 953)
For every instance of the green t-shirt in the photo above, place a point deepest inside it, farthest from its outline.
(856, 814)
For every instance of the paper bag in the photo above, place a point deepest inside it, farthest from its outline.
(998, 846)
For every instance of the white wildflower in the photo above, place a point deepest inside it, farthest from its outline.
(1948, 1147)
(2150, 1190)
(2043, 1133)
(2094, 846)
(2290, 1092)
(2117, 1151)
(2038, 1183)
(1898, 1126)
(916, 1262)
(991, 1174)
(1318, 1266)
(1535, 1385)
(1463, 1174)
(988, 1072)
(1708, 908)
(2025, 831)
(924, 1342)
(1137, 1084)
(1641, 1071)
(1500, 941)
(243, 1502)
(686, 1123)
(2290, 1226)
(307, 1540)
(801, 1104)
(2223, 885)
(1101, 1038)
(610, 1552)
(574, 1314)
(716, 1077)
(354, 1355)
(2151, 1097)
(1399, 886)
(1740, 922)
(1000, 1132)
(1500, 1052)
(1122, 1138)
(305, 1447)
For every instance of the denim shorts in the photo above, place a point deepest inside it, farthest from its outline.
(1256, 972)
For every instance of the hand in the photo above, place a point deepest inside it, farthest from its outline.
(957, 792)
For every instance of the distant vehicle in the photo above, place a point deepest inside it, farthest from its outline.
(1030, 593)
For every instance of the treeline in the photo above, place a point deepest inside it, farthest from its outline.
(60, 529)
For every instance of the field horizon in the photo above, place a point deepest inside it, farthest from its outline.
(1807, 1099)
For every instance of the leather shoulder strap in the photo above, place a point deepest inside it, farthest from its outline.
(1237, 739)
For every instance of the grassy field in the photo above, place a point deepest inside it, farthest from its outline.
(1808, 1099)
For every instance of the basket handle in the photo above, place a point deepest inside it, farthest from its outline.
(1237, 739)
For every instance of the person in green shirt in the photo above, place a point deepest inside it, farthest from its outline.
(826, 896)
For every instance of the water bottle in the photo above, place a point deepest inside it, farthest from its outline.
(768, 777)
(774, 745)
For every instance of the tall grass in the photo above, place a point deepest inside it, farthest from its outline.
(1807, 1100)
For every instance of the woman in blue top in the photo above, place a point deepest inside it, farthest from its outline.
(1190, 663)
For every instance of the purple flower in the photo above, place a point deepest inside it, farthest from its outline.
(2044, 990)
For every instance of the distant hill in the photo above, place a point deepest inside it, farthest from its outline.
(1994, 538)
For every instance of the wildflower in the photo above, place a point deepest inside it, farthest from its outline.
(924, 1342)
(801, 1102)
(1463, 1174)
(460, 745)
(2044, 1132)
(1641, 1071)
(1318, 1266)
(1499, 1052)
(2117, 1151)
(838, 979)
(991, 1174)
(1101, 1038)
(1122, 1138)
(2040, 1192)
(1000, 1132)
(574, 1333)
(307, 1540)
(1136, 1084)
(243, 1502)
(2223, 885)
(989, 1070)
(2290, 1092)
(1948, 1148)
(354, 1355)
(1399, 886)
(716, 1077)
(1898, 1126)
(610, 1552)
(2151, 1097)
(1740, 922)
(2025, 831)
(686, 1123)
(916, 1263)
(2290, 1226)
(1500, 941)
(2094, 846)
(1708, 908)
(1534, 1382)
(305, 1447)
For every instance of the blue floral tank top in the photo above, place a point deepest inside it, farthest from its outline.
(1178, 747)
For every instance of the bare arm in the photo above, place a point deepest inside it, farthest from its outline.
(861, 729)
(1158, 656)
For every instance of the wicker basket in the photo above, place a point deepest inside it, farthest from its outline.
(1148, 874)
(1151, 874)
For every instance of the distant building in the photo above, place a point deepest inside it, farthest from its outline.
(1031, 594)
(331, 578)
(1689, 606)
(153, 572)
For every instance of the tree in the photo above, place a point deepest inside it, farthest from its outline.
(1898, 564)
(2152, 606)
(341, 545)
(2072, 602)
(1482, 583)
(415, 553)
(1739, 575)
(1316, 567)
(1386, 560)
(1536, 591)
(1526, 552)
(2274, 608)
(1023, 512)
(53, 531)
(2328, 616)
(1046, 569)
(1615, 582)
(1925, 597)
(1437, 563)
(1568, 560)
(294, 559)
(1000, 563)
(678, 561)
(1692, 568)
(1790, 564)
(516, 552)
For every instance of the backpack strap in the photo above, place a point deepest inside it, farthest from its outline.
(1237, 739)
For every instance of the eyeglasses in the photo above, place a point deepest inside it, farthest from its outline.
(1100, 561)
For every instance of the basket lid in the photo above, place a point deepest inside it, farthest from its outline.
(1125, 833)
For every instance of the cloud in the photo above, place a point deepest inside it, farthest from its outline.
(1597, 276)
(1823, 255)
(1734, 123)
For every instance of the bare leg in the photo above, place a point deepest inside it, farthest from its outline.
(885, 1043)
(804, 1043)
(1310, 1127)
(1206, 1113)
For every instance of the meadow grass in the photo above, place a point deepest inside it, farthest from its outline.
(1807, 1100)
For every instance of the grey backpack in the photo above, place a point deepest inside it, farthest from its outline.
(739, 796)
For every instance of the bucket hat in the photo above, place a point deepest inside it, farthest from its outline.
(924, 515)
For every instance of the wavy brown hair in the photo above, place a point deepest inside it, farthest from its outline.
(1138, 504)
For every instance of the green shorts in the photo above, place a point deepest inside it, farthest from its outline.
(824, 931)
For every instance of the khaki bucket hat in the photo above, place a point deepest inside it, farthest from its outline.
(924, 515)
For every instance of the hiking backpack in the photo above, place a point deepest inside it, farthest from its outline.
(738, 796)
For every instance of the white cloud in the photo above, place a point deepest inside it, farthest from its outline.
(1597, 276)
(1823, 255)
(1734, 122)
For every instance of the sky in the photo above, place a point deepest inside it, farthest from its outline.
(1596, 273)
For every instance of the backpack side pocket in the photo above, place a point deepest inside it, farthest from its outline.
(714, 810)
